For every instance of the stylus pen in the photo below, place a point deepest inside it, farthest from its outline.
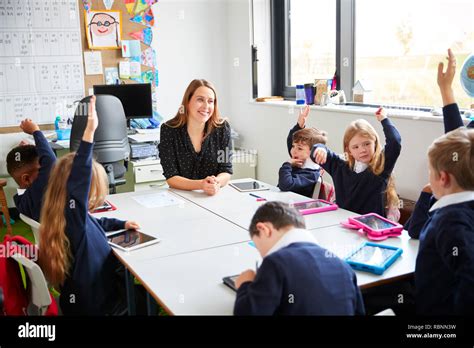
(258, 197)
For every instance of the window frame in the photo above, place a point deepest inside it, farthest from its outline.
(280, 42)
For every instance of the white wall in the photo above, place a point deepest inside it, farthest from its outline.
(265, 127)
(190, 38)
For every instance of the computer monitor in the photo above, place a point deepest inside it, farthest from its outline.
(135, 98)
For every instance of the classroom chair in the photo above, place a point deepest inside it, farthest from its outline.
(35, 226)
(4, 206)
(40, 298)
(111, 148)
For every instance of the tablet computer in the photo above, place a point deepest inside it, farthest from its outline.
(373, 257)
(128, 240)
(376, 225)
(230, 281)
(314, 206)
(106, 206)
(249, 186)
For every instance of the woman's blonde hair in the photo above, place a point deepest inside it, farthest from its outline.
(55, 256)
(377, 162)
(182, 115)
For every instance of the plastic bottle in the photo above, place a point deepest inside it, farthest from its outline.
(300, 95)
(56, 123)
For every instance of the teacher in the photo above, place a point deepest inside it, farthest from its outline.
(195, 146)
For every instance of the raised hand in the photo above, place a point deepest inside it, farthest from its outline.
(381, 114)
(320, 155)
(445, 79)
(303, 116)
(28, 126)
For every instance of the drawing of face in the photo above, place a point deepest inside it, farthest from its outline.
(103, 24)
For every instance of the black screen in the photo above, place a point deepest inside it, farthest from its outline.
(135, 98)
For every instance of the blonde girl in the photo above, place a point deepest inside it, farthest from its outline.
(363, 179)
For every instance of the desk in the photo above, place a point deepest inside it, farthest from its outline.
(239, 207)
(191, 283)
(182, 228)
(205, 239)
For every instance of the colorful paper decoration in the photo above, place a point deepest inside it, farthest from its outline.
(108, 4)
(146, 18)
(145, 36)
(87, 5)
(129, 4)
(143, 4)
(148, 57)
(131, 48)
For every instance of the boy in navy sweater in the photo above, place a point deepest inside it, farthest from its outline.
(444, 273)
(452, 120)
(300, 174)
(30, 166)
(297, 277)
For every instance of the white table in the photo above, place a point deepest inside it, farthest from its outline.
(205, 239)
(182, 228)
(239, 207)
(191, 283)
(341, 242)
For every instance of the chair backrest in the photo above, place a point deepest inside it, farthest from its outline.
(35, 226)
(40, 297)
(110, 137)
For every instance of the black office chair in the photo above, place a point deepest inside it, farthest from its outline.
(111, 147)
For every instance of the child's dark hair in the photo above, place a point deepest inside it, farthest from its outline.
(20, 157)
(279, 214)
(310, 136)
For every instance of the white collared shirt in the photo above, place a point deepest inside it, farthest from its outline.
(20, 191)
(359, 167)
(309, 164)
(295, 235)
(453, 198)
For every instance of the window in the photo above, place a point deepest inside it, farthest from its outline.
(400, 43)
(395, 45)
(309, 52)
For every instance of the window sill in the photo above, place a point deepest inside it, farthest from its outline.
(362, 110)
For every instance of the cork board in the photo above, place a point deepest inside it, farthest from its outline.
(110, 58)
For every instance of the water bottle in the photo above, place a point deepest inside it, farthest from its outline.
(56, 123)
(300, 95)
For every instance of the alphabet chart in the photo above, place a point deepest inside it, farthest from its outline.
(41, 69)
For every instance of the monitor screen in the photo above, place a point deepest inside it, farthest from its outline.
(135, 98)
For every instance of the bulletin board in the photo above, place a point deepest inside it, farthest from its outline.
(110, 57)
(63, 21)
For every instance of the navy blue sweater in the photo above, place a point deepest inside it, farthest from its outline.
(301, 279)
(363, 192)
(30, 202)
(298, 180)
(452, 120)
(444, 274)
(92, 280)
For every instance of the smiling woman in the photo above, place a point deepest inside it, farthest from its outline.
(192, 143)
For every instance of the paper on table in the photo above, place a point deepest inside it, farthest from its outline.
(93, 63)
(158, 200)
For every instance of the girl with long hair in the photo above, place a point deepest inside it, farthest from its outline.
(74, 254)
(363, 179)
